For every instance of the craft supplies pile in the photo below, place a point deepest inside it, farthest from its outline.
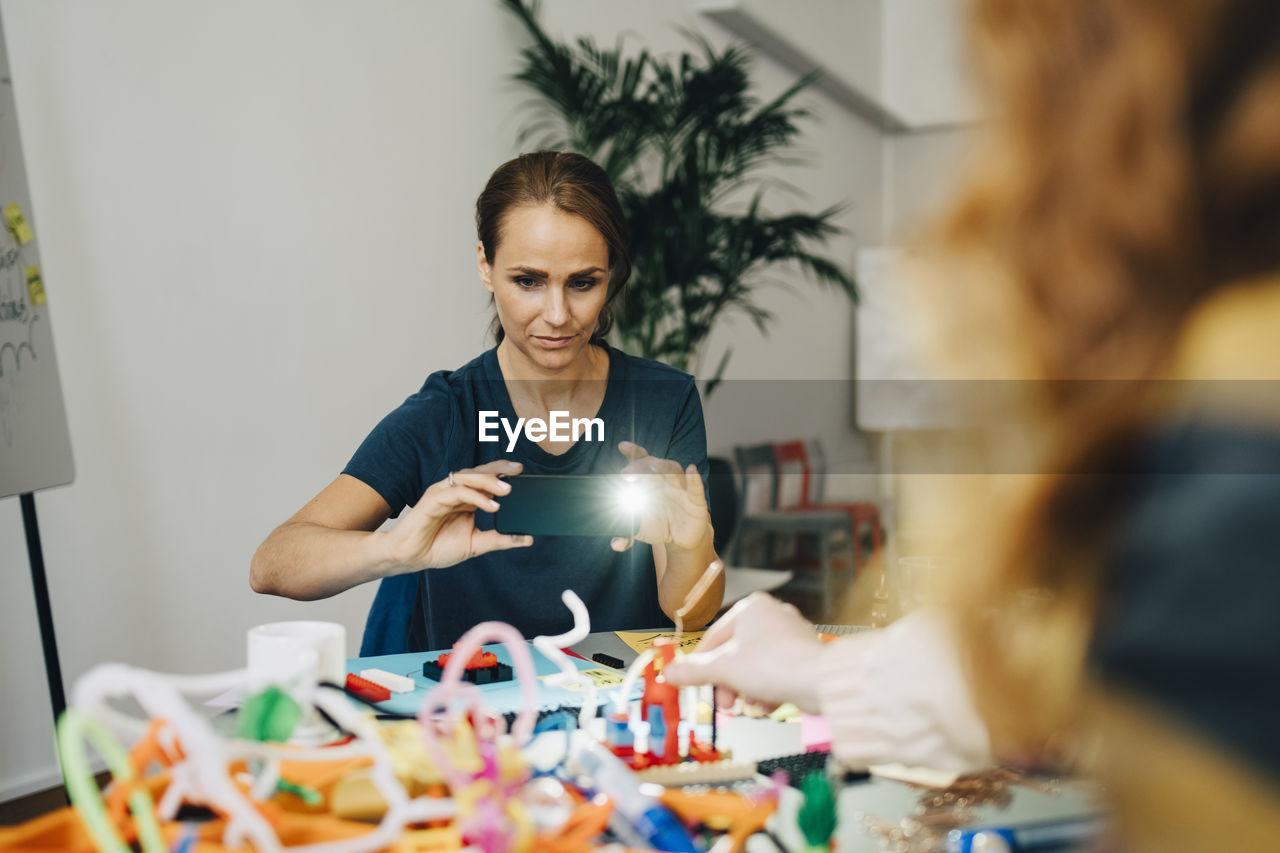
(459, 776)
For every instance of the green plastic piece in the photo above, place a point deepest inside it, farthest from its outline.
(817, 817)
(73, 730)
(270, 715)
(308, 795)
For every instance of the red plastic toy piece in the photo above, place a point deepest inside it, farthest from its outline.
(660, 706)
(480, 660)
(483, 668)
(366, 689)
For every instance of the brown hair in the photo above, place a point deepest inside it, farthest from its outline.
(573, 184)
(1131, 170)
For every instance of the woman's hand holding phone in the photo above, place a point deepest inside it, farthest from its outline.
(674, 512)
(440, 531)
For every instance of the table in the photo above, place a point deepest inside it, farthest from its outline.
(875, 804)
(891, 801)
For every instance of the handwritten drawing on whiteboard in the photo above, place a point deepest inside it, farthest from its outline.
(35, 444)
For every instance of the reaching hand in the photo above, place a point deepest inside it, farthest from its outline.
(439, 530)
(762, 649)
(675, 510)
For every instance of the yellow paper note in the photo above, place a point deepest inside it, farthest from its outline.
(17, 223)
(602, 678)
(35, 286)
(639, 641)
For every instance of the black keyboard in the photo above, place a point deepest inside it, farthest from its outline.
(841, 630)
(800, 765)
(796, 767)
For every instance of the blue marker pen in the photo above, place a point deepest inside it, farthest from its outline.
(1047, 835)
(653, 821)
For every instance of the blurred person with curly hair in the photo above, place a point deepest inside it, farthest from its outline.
(1115, 252)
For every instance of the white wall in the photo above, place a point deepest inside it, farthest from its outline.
(802, 388)
(898, 61)
(922, 171)
(843, 37)
(256, 231)
(899, 64)
(926, 80)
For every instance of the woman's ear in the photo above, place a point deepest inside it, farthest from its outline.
(483, 267)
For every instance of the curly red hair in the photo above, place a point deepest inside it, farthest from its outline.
(1131, 169)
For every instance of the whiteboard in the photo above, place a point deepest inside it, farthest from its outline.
(896, 388)
(35, 444)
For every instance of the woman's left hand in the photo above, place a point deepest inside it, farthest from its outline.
(675, 511)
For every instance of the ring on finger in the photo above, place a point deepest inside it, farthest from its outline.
(451, 482)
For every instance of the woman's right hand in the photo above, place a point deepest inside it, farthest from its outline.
(439, 530)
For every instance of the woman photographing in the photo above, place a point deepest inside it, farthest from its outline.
(552, 252)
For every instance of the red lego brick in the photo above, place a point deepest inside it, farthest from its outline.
(483, 668)
(480, 660)
(366, 689)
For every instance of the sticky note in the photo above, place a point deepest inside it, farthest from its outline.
(641, 640)
(600, 677)
(35, 286)
(925, 777)
(17, 223)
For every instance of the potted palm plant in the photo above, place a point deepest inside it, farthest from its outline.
(685, 141)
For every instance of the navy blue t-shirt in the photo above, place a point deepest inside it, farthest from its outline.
(436, 431)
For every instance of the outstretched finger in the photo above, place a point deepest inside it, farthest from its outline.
(450, 498)
(671, 472)
(654, 486)
(487, 482)
(723, 629)
(693, 487)
(655, 474)
(720, 633)
(621, 543)
(631, 450)
(700, 667)
(485, 541)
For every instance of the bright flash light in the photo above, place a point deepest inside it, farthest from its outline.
(631, 498)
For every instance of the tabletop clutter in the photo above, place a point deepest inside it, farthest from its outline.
(305, 763)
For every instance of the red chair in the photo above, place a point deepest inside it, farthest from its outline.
(800, 480)
(759, 516)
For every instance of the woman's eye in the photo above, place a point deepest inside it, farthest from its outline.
(526, 281)
(584, 283)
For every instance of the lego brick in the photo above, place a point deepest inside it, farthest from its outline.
(366, 689)
(796, 767)
(543, 713)
(391, 681)
(608, 660)
(480, 660)
(698, 773)
(494, 674)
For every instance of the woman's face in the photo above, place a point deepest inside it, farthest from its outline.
(549, 279)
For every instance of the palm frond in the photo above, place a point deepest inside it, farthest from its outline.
(717, 375)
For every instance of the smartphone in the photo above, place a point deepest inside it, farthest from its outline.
(571, 505)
